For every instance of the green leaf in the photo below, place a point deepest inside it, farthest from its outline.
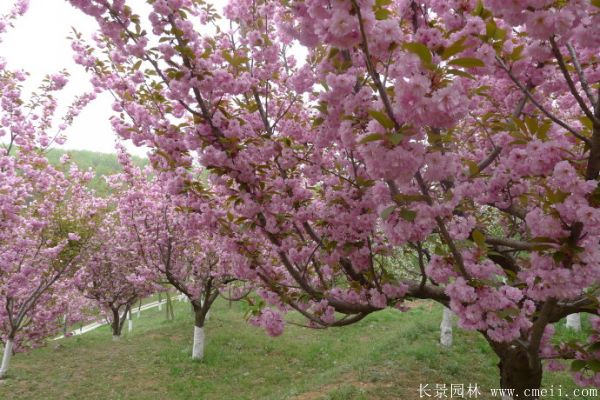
(508, 312)
(542, 132)
(381, 14)
(473, 167)
(396, 138)
(594, 365)
(478, 8)
(520, 124)
(559, 256)
(467, 62)
(454, 48)
(420, 50)
(382, 118)
(586, 122)
(499, 34)
(517, 52)
(542, 247)
(596, 3)
(318, 121)
(333, 52)
(385, 214)
(532, 124)
(460, 73)
(371, 138)
(557, 196)
(439, 251)
(479, 239)
(408, 215)
(493, 32)
(578, 365)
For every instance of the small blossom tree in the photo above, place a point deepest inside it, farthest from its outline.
(113, 274)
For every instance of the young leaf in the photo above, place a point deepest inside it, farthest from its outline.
(371, 138)
(460, 73)
(578, 365)
(382, 118)
(479, 239)
(408, 215)
(420, 50)
(467, 62)
(454, 48)
(396, 138)
(385, 214)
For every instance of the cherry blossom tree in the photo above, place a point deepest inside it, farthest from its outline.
(113, 274)
(446, 150)
(178, 245)
(47, 215)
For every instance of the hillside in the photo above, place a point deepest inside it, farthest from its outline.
(101, 163)
(385, 356)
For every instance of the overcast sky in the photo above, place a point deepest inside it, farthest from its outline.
(38, 44)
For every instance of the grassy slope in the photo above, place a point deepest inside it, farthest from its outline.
(385, 356)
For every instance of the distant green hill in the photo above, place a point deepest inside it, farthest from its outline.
(102, 164)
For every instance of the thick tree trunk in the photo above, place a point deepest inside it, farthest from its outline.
(116, 324)
(170, 311)
(198, 348)
(518, 377)
(200, 317)
(574, 322)
(8, 350)
(446, 328)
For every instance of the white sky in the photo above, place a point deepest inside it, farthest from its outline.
(38, 44)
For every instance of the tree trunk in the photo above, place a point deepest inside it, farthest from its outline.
(8, 350)
(574, 322)
(170, 312)
(159, 302)
(129, 323)
(116, 324)
(198, 347)
(446, 328)
(517, 376)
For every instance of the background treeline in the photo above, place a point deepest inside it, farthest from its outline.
(103, 164)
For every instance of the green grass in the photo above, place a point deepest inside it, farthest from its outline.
(385, 356)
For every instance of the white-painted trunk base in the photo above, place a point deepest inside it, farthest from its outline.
(160, 306)
(129, 325)
(446, 328)
(198, 349)
(207, 316)
(116, 338)
(574, 322)
(8, 349)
